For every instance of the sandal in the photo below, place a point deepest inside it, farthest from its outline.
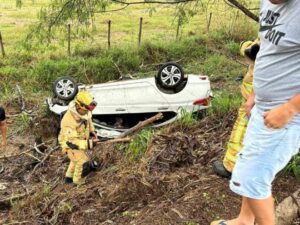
(219, 222)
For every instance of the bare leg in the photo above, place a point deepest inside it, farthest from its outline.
(263, 210)
(246, 216)
(3, 128)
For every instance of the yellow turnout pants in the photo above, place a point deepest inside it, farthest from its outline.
(235, 143)
(77, 159)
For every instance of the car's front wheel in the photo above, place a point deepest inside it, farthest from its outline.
(170, 75)
(65, 88)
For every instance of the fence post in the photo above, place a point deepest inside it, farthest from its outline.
(69, 39)
(140, 30)
(209, 20)
(1, 45)
(108, 33)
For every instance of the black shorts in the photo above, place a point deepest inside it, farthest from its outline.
(2, 114)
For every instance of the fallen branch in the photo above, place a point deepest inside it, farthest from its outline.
(17, 222)
(32, 156)
(116, 140)
(7, 201)
(140, 125)
(22, 153)
(119, 71)
(21, 99)
(43, 160)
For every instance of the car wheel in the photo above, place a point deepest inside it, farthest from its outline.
(170, 75)
(65, 88)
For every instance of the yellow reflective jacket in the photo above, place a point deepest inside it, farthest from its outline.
(75, 130)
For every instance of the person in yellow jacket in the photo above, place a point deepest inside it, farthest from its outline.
(77, 135)
(249, 50)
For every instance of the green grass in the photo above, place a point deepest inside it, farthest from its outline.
(139, 145)
(224, 102)
(35, 65)
(160, 26)
(294, 166)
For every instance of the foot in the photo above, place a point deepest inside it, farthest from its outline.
(68, 180)
(220, 170)
(80, 182)
(219, 222)
(235, 221)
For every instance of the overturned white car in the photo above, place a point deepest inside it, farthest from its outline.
(122, 104)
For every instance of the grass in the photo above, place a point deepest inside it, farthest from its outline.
(160, 26)
(294, 166)
(35, 66)
(139, 145)
(224, 102)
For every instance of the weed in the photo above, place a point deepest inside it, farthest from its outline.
(23, 121)
(187, 118)
(294, 166)
(223, 103)
(65, 207)
(139, 144)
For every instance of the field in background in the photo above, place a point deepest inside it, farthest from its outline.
(159, 25)
(213, 52)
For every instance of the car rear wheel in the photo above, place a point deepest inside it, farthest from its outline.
(170, 75)
(65, 88)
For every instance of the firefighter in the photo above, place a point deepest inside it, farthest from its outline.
(249, 50)
(77, 135)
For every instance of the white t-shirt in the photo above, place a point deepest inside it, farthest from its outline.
(277, 66)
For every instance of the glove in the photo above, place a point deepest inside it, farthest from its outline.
(93, 134)
(95, 141)
(92, 142)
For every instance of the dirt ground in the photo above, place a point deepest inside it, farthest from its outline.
(172, 183)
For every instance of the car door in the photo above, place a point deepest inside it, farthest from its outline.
(142, 96)
(110, 98)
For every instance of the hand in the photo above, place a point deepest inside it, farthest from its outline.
(280, 116)
(95, 141)
(249, 104)
(93, 135)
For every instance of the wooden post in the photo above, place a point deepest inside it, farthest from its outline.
(209, 20)
(177, 31)
(108, 33)
(140, 30)
(69, 39)
(2, 46)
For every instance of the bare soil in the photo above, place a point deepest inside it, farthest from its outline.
(172, 183)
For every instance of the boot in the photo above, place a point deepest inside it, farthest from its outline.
(220, 170)
(68, 180)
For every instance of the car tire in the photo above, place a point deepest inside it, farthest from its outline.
(170, 75)
(65, 88)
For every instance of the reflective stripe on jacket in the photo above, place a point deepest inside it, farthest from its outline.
(75, 130)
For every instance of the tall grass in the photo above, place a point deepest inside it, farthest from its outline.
(224, 102)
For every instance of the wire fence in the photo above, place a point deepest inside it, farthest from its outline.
(109, 31)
